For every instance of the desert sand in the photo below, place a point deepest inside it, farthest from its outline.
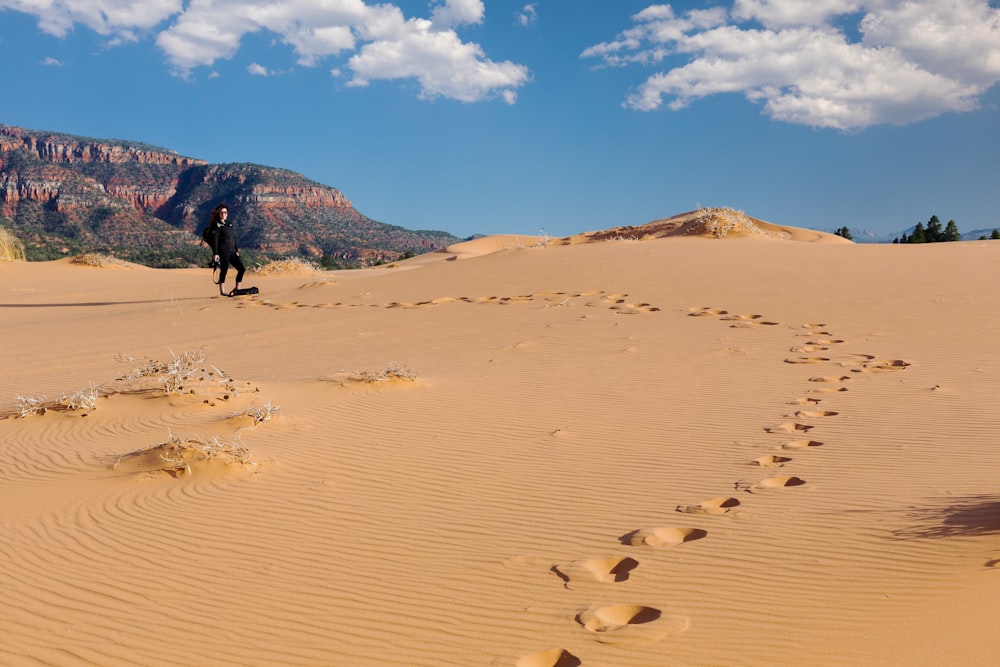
(774, 448)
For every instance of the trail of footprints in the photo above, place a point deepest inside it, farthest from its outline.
(595, 299)
(633, 623)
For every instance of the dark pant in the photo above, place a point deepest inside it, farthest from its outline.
(227, 258)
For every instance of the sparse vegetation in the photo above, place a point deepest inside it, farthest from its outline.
(719, 222)
(175, 374)
(11, 247)
(97, 260)
(262, 415)
(293, 265)
(177, 454)
(84, 399)
(394, 371)
(845, 232)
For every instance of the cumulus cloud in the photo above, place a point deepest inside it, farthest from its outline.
(528, 15)
(376, 39)
(52, 62)
(843, 64)
(257, 69)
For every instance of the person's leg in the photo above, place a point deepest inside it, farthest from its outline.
(223, 270)
(240, 269)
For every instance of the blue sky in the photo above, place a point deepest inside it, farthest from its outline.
(494, 116)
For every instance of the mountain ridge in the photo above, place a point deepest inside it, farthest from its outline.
(62, 194)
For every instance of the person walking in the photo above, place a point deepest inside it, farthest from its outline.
(225, 249)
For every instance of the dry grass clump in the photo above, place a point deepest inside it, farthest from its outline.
(84, 399)
(177, 455)
(263, 414)
(393, 371)
(11, 248)
(175, 374)
(97, 260)
(719, 222)
(293, 265)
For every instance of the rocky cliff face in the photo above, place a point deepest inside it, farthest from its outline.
(61, 191)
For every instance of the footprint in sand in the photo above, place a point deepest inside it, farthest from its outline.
(662, 537)
(806, 360)
(705, 311)
(634, 308)
(752, 324)
(803, 349)
(801, 444)
(771, 461)
(730, 318)
(883, 366)
(813, 414)
(788, 427)
(827, 390)
(771, 483)
(630, 623)
(719, 505)
(556, 657)
(606, 570)
(831, 378)
(804, 401)
(824, 341)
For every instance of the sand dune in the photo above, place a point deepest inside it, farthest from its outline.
(756, 450)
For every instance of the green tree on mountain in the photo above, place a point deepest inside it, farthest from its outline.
(844, 232)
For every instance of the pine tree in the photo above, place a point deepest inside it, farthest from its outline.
(919, 234)
(933, 234)
(995, 235)
(844, 232)
(951, 232)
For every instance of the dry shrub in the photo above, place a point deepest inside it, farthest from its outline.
(11, 248)
(291, 266)
(98, 260)
(175, 374)
(181, 456)
(262, 415)
(84, 399)
(393, 371)
(719, 222)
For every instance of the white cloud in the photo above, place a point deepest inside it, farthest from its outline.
(53, 62)
(257, 69)
(440, 62)
(105, 17)
(457, 12)
(528, 15)
(915, 58)
(377, 40)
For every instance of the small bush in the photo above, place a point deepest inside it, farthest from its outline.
(81, 399)
(177, 454)
(173, 375)
(393, 371)
(11, 247)
(98, 260)
(292, 266)
(262, 415)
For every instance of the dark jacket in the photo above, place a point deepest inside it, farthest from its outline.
(224, 240)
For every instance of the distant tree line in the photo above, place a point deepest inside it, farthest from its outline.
(932, 232)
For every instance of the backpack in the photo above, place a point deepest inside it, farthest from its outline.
(208, 235)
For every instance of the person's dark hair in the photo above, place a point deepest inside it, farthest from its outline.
(216, 214)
